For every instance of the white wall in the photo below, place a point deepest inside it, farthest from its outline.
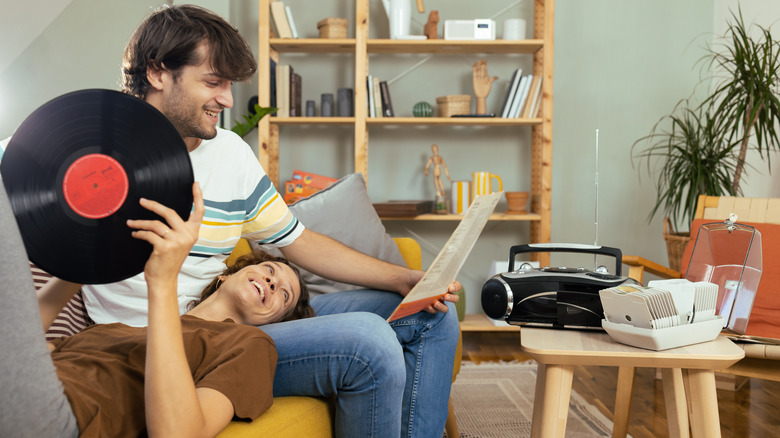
(761, 180)
(619, 67)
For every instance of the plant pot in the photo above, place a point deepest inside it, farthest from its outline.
(517, 202)
(675, 245)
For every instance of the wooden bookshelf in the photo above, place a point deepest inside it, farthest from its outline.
(540, 47)
(458, 217)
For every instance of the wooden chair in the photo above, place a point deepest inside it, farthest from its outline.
(762, 360)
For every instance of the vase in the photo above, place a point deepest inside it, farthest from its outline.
(326, 107)
(460, 306)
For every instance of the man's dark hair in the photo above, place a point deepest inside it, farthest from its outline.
(169, 39)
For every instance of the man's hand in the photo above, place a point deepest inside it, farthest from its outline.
(439, 306)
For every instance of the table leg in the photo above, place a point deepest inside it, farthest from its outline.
(705, 421)
(676, 402)
(625, 388)
(551, 400)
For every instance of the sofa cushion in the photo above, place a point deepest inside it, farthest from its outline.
(344, 212)
(288, 417)
(72, 318)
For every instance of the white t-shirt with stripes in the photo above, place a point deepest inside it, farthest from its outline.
(240, 201)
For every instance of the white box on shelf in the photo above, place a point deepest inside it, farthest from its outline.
(469, 29)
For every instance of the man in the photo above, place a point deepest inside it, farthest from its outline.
(182, 60)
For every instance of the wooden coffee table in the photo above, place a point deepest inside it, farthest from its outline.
(558, 351)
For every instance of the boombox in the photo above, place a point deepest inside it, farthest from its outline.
(469, 30)
(558, 297)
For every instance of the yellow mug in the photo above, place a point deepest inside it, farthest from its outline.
(481, 184)
(460, 196)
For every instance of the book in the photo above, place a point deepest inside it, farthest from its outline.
(377, 97)
(272, 97)
(403, 208)
(296, 109)
(537, 101)
(296, 190)
(445, 267)
(370, 96)
(520, 96)
(283, 90)
(291, 22)
(387, 104)
(279, 17)
(510, 93)
(312, 179)
(533, 95)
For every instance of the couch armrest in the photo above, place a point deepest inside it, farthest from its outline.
(638, 265)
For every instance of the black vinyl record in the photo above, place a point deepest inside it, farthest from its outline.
(74, 172)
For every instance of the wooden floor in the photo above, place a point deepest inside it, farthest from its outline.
(752, 411)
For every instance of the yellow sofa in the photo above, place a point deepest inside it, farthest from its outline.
(310, 416)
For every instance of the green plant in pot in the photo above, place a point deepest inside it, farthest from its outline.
(702, 149)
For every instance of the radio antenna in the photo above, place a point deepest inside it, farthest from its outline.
(596, 219)
(596, 223)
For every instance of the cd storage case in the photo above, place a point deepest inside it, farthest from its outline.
(726, 254)
(729, 255)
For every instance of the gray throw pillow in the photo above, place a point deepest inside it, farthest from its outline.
(344, 212)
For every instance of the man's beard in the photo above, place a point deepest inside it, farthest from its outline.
(189, 123)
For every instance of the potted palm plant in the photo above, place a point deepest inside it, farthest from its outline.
(702, 149)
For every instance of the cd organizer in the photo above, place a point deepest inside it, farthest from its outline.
(665, 314)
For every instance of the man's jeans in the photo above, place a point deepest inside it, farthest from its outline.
(349, 350)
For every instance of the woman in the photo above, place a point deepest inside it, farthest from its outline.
(180, 376)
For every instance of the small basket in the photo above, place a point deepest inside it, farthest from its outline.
(675, 245)
(333, 27)
(457, 104)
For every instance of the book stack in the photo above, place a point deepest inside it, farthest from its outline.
(378, 101)
(304, 184)
(282, 19)
(286, 87)
(523, 97)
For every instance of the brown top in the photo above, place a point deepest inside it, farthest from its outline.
(102, 371)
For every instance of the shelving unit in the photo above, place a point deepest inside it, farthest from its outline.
(361, 46)
(480, 323)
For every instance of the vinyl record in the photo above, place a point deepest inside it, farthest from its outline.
(74, 172)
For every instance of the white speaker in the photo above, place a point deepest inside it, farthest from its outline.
(469, 30)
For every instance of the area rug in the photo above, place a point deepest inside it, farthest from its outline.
(495, 400)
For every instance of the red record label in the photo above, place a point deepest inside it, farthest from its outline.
(95, 186)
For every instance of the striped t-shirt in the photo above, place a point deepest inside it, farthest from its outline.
(240, 201)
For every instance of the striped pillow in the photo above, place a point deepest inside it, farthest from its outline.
(72, 319)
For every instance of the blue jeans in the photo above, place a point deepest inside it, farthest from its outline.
(350, 351)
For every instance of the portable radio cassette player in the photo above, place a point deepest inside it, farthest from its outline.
(556, 297)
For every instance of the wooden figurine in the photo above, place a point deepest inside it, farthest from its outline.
(440, 204)
(431, 29)
(482, 83)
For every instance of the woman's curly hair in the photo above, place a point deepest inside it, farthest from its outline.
(301, 310)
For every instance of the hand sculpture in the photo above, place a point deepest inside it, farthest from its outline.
(431, 27)
(482, 85)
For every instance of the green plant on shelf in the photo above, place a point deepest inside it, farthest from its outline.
(251, 120)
